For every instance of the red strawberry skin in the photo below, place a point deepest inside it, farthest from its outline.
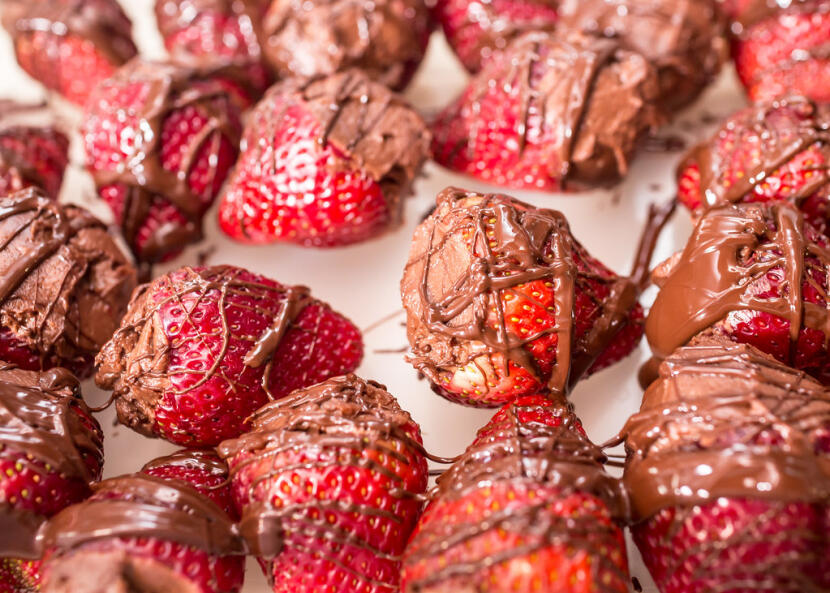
(475, 30)
(189, 382)
(31, 156)
(171, 176)
(786, 52)
(96, 41)
(19, 576)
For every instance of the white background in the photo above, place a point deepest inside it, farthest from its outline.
(362, 281)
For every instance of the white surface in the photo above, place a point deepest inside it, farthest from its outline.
(362, 281)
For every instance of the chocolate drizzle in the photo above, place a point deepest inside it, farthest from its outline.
(64, 283)
(722, 270)
(144, 506)
(468, 256)
(204, 461)
(170, 88)
(356, 421)
(518, 453)
(725, 420)
(43, 416)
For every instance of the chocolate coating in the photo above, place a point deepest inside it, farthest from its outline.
(204, 461)
(40, 417)
(685, 39)
(725, 420)
(384, 38)
(452, 295)
(64, 282)
(345, 414)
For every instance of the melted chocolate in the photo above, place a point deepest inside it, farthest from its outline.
(204, 461)
(731, 250)
(144, 506)
(757, 11)
(453, 296)
(518, 452)
(345, 415)
(725, 420)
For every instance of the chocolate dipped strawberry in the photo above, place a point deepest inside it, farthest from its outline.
(69, 45)
(502, 301)
(776, 151)
(527, 507)
(551, 112)
(200, 349)
(754, 273)
(727, 473)
(329, 482)
(50, 452)
(65, 283)
(143, 534)
(324, 163)
(160, 140)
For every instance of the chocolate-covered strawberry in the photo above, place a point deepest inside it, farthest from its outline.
(386, 39)
(160, 140)
(50, 451)
(553, 111)
(685, 40)
(200, 349)
(69, 45)
(329, 482)
(502, 301)
(728, 474)
(324, 163)
(143, 534)
(527, 507)
(755, 273)
(64, 283)
(782, 47)
(771, 152)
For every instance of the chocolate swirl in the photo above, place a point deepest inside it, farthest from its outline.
(44, 416)
(171, 88)
(780, 130)
(722, 268)
(725, 420)
(353, 418)
(64, 282)
(474, 250)
(516, 449)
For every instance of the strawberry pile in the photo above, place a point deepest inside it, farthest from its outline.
(502, 301)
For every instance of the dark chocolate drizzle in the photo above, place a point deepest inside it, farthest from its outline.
(510, 450)
(204, 461)
(346, 415)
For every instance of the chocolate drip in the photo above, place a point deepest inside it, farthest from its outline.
(43, 416)
(725, 420)
(468, 256)
(297, 298)
(202, 460)
(785, 128)
(520, 452)
(345, 415)
(144, 506)
(730, 250)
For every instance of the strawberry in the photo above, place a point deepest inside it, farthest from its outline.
(784, 50)
(329, 482)
(142, 533)
(202, 469)
(527, 507)
(502, 301)
(770, 152)
(727, 473)
(69, 45)
(32, 156)
(324, 163)
(160, 141)
(201, 348)
(216, 33)
(50, 450)
(476, 30)
(754, 273)
(386, 39)
(533, 118)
